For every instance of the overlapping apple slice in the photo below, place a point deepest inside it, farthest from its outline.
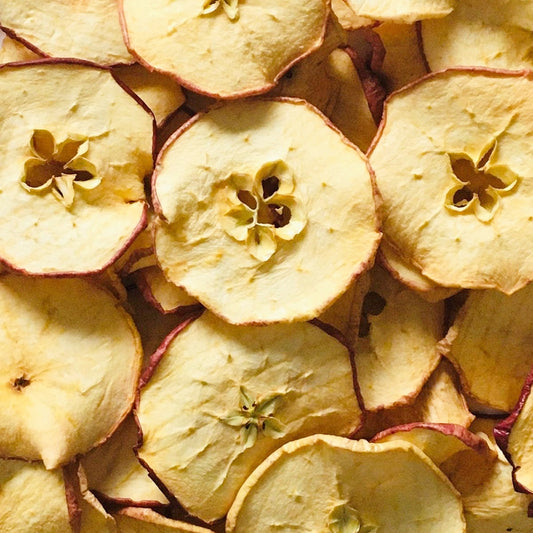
(247, 227)
(406, 11)
(491, 336)
(223, 397)
(135, 520)
(59, 28)
(200, 42)
(347, 17)
(72, 178)
(454, 182)
(489, 34)
(70, 367)
(396, 348)
(12, 50)
(327, 483)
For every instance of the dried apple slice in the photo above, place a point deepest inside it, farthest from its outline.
(199, 42)
(490, 336)
(12, 50)
(135, 520)
(487, 34)
(240, 230)
(71, 362)
(454, 180)
(347, 17)
(33, 499)
(222, 397)
(72, 185)
(406, 11)
(114, 472)
(327, 483)
(396, 348)
(60, 28)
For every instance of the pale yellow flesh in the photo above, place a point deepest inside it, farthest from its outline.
(326, 183)
(201, 457)
(392, 487)
(12, 50)
(136, 520)
(71, 362)
(62, 28)
(406, 11)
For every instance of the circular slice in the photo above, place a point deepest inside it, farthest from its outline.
(327, 483)
(279, 200)
(62, 28)
(456, 188)
(70, 367)
(223, 397)
(201, 42)
(72, 179)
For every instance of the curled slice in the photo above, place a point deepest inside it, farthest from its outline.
(70, 368)
(327, 483)
(247, 227)
(222, 398)
(406, 11)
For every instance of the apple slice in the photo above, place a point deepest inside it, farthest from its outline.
(396, 348)
(135, 520)
(12, 50)
(71, 362)
(327, 483)
(453, 177)
(240, 231)
(347, 17)
(33, 499)
(114, 472)
(81, 30)
(72, 187)
(223, 397)
(200, 42)
(404, 11)
(491, 336)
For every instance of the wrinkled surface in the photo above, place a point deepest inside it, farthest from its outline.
(188, 411)
(135, 520)
(406, 11)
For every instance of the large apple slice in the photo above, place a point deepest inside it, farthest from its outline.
(454, 180)
(72, 179)
(200, 43)
(327, 483)
(61, 28)
(240, 226)
(71, 362)
(223, 397)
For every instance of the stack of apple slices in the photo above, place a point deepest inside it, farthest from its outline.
(196, 336)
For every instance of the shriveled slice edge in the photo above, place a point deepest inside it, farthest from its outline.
(476, 35)
(114, 472)
(439, 401)
(515, 438)
(33, 499)
(136, 520)
(347, 17)
(323, 483)
(220, 398)
(81, 30)
(396, 347)
(12, 50)
(404, 11)
(226, 244)
(71, 365)
(491, 336)
(199, 45)
(160, 93)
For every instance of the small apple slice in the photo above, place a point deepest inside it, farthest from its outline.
(60, 28)
(480, 33)
(160, 93)
(136, 520)
(199, 42)
(439, 401)
(328, 483)
(453, 178)
(396, 348)
(490, 336)
(404, 11)
(12, 50)
(114, 472)
(347, 17)
(71, 362)
(240, 231)
(33, 499)
(222, 398)
(72, 185)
